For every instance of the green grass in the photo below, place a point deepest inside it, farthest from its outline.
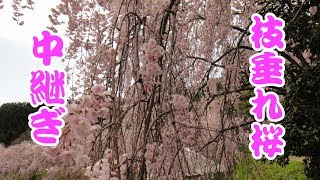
(249, 168)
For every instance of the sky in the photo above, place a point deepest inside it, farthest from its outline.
(16, 43)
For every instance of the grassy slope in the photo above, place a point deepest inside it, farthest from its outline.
(251, 169)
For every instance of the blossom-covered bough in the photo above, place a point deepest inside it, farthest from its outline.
(156, 88)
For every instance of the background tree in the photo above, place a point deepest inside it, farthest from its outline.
(302, 89)
(14, 120)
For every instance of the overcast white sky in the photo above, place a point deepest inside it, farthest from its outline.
(16, 58)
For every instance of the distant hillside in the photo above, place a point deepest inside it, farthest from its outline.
(14, 120)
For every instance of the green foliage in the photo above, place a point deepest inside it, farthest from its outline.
(14, 120)
(302, 100)
(244, 105)
(38, 176)
(249, 168)
(302, 105)
(220, 87)
(25, 136)
(301, 27)
(43, 174)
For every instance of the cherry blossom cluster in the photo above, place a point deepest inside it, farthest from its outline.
(183, 118)
(102, 168)
(152, 53)
(24, 159)
(155, 159)
(150, 66)
(85, 118)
